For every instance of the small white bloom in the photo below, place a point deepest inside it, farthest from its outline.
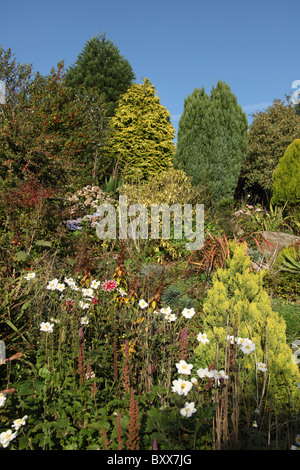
(254, 424)
(247, 346)
(202, 338)
(122, 292)
(182, 387)
(19, 422)
(188, 312)
(231, 339)
(29, 276)
(54, 320)
(60, 287)
(52, 284)
(205, 373)
(84, 321)
(194, 380)
(2, 399)
(219, 375)
(84, 305)
(184, 368)
(166, 310)
(143, 304)
(261, 366)
(87, 292)
(239, 340)
(46, 326)
(188, 410)
(95, 284)
(6, 437)
(170, 317)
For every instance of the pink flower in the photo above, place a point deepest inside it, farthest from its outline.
(109, 285)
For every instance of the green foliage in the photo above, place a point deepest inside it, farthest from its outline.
(47, 135)
(289, 259)
(212, 139)
(169, 186)
(17, 77)
(238, 305)
(142, 140)
(270, 133)
(290, 312)
(286, 187)
(101, 67)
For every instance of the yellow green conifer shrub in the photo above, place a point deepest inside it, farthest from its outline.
(238, 305)
(142, 140)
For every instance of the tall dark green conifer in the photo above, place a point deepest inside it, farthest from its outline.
(101, 67)
(212, 140)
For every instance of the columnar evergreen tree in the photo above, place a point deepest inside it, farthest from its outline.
(286, 177)
(193, 138)
(212, 140)
(142, 141)
(101, 67)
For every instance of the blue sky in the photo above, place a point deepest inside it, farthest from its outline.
(178, 45)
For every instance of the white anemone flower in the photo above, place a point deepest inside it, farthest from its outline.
(205, 373)
(95, 284)
(188, 410)
(29, 276)
(261, 366)
(84, 305)
(60, 286)
(143, 303)
(2, 398)
(188, 312)
(17, 423)
(247, 346)
(202, 338)
(52, 284)
(166, 310)
(184, 368)
(170, 317)
(46, 326)
(87, 292)
(182, 387)
(84, 321)
(6, 437)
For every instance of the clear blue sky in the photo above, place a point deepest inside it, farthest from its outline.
(178, 45)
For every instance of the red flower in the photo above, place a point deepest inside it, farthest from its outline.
(109, 285)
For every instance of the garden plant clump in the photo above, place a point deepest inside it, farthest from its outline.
(139, 343)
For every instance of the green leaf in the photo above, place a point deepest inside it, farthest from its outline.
(43, 243)
(21, 256)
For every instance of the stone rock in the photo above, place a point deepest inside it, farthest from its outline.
(276, 241)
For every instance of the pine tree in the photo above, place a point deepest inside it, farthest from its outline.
(286, 177)
(101, 67)
(212, 140)
(142, 138)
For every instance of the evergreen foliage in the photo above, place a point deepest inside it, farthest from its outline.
(142, 139)
(238, 299)
(101, 67)
(286, 176)
(212, 140)
(270, 133)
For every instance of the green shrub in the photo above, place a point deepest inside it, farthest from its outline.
(285, 187)
(238, 305)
